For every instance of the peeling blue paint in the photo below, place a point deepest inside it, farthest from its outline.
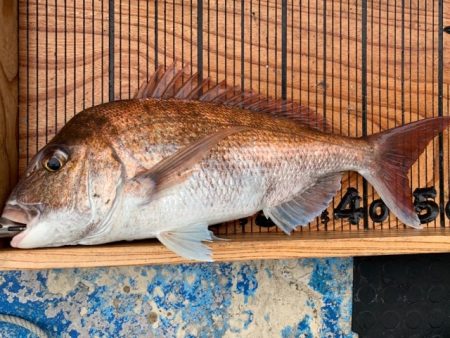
(247, 283)
(325, 280)
(269, 273)
(291, 298)
(303, 329)
(249, 318)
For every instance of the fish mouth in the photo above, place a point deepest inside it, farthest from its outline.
(16, 220)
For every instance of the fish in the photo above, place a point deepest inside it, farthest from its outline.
(186, 153)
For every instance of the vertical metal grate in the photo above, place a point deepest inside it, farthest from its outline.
(363, 66)
(441, 108)
(111, 56)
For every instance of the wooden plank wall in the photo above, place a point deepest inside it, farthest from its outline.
(65, 55)
(8, 98)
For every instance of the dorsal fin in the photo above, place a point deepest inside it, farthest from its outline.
(177, 83)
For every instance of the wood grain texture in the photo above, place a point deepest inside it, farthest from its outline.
(238, 248)
(8, 98)
(64, 64)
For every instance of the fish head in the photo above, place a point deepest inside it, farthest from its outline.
(66, 193)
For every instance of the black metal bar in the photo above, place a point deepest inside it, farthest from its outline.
(324, 64)
(111, 51)
(165, 32)
(316, 63)
(55, 130)
(46, 71)
(364, 98)
(208, 43)
(28, 77)
(156, 34)
(138, 44)
(448, 144)
(267, 49)
(242, 44)
(37, 78)
(147, 60)
(182, 33)
(332, 96)
(225, 43)
(403, 62)
(284, 49)
(74, 57)
(388, 115)
(418, 59)
(324, 80)
(234, 42)
(129, 47)
(441, 108)
(191, 29)
(434, 77)
(84, 55)
(200, 39)
(276, 48)
(174, 51)
(65, 64)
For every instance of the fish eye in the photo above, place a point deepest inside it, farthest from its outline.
(55, 162)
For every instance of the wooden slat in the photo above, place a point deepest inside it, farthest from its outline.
(63, 50)
(238, 248)
(8, 98)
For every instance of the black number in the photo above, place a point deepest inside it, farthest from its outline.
(324, 218)
(262, 221)
(243, 221)
(423, 204)
(349, 207)
(378, 211)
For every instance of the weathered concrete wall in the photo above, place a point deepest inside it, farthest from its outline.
(291, 298)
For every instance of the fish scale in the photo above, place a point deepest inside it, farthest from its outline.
(294, 166)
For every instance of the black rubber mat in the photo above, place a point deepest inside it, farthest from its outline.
(402, 296)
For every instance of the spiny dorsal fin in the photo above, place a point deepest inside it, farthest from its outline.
(177, 83)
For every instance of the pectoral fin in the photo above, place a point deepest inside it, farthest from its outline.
(177, 167)
(303, 208)
(188, 242)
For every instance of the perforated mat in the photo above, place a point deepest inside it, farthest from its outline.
(402, 296)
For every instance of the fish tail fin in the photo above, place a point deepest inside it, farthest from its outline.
(393, 153)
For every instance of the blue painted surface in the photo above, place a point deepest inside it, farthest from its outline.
(290, 298)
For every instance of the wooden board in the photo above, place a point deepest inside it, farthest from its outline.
(8, 98)
(64, 60)
(238, 248)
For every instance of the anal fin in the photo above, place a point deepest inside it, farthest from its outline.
(188, 242)
(307, 205)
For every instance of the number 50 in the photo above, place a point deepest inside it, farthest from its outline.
(426, 208)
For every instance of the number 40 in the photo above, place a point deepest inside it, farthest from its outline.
(426, 208)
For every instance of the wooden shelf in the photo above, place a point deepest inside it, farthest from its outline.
(47, 71)
(241, 247)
